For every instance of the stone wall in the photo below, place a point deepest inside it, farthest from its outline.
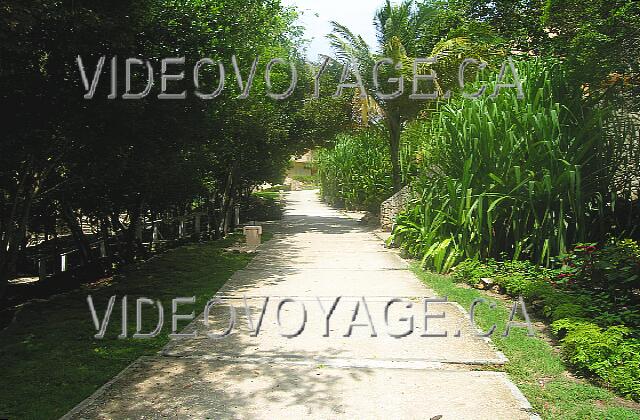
(392, 206)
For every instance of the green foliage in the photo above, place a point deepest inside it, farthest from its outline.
(503, 175)
(597, 37)
(404, 31)
(471, 271)
(515, 278)
(261, 207)
(607, 353)
(356, 172)
(610, 275)
(567, 310)
(534, 365)
(590, 322)
(614, 267)
(103, 158)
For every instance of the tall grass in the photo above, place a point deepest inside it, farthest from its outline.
(525, 178)
(356, 172)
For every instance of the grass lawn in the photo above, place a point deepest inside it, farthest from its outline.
(267, 194)
(50, 360)
(534, 365)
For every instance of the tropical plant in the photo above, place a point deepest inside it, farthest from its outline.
(521, 177)
(407, 31)
(356, 172)
(607, 353)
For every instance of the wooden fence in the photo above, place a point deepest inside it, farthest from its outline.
(155, 235)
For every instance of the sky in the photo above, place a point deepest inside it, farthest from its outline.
(357, 15)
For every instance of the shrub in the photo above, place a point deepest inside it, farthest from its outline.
(471, 271)
(587, 321)
(356, 172)
(257, 208)
(606, 353)
(567, 310)
(558, 297)
(610, 276)
(516, 278)
(614, 267)
(502, 175)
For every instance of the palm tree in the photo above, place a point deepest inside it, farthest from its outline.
(405, 31)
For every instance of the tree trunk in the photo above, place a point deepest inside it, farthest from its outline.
(76, 232)
(226, 203)
(104, 232)
(228, 216)
(214, 223)
(15, 230)
(395, 128)
(12, 225)
(133, 244)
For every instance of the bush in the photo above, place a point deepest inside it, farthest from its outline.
(471, 271)
(500, 175)
(606, 353)
(567, 310)
(515, 278)
(614, 267)
(356, 172)
(610, 276)
(597, 336)
(257, 208)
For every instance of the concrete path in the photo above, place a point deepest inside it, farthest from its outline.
(291, 368)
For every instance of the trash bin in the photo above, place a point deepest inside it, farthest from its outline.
(252, 234)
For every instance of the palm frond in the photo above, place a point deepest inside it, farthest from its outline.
(346, 44)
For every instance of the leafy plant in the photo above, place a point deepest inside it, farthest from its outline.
(521, 177)
(356, 172)
(471, 271)
(607, 353)
(614, 267)
(515, 278)
(567, 310)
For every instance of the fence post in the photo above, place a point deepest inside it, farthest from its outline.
(181, 229)
(236, 221)
(42, 269)
(197, 224)
(63, 262)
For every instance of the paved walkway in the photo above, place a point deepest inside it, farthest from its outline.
(320, 253)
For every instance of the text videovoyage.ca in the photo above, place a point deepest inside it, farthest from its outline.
(292, 316)
(172, 70)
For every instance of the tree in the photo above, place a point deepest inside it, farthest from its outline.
(64, 157)
(404, 32)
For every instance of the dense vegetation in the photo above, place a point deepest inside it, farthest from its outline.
(511, 189)
(114, 163)
(356, 172)
(589, 300)
(536, 194)
(522, 178)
